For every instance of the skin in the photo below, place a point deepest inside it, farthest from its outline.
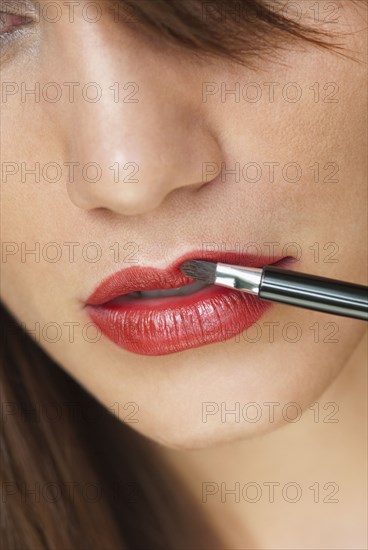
(172, 210)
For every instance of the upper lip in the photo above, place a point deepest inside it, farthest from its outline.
(135, 278)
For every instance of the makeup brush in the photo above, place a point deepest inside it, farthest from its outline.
(288, 287)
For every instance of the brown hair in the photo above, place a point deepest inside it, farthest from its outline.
(49, 468)
(243, 31)
(73, 475)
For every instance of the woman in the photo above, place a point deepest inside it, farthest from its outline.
(136, 135)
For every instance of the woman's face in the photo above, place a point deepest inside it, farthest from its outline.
(190, 156)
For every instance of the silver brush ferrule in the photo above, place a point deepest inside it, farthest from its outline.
(246, 279)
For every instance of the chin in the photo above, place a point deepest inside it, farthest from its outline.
(190, 434)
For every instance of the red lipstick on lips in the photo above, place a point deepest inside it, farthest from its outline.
(158, 325)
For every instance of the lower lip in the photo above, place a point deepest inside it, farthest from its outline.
(160, 326)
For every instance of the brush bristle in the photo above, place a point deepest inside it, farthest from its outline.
(202, 271)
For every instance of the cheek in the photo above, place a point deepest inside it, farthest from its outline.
(299, 155)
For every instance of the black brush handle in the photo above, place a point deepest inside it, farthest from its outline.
(311, 292)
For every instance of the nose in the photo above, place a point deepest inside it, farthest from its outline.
(143, 139)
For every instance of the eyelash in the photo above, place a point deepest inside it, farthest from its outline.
(13, 32)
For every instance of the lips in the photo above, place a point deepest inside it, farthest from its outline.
(150, 325)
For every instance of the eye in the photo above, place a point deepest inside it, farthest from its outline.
(9, 23)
